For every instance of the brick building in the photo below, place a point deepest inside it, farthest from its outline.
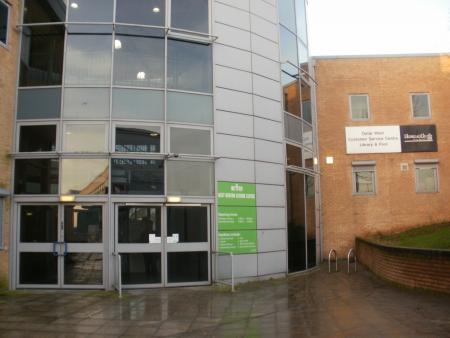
(370, 186)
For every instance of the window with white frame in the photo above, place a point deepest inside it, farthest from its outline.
(420, 105)
(359, 106)
(363, 178)
(427, 179)
(4, 16)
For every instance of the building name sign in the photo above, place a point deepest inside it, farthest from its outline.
(390, 139)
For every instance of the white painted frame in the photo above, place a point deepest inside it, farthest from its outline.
(412, 106)
(364, 168)
(351, 107)
(21, 124)
(422, 166)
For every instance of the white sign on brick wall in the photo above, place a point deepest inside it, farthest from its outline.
(373, 139)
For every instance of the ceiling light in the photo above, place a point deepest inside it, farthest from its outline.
(173, 199)
(315, 161)
(66, 198)
(74, 5)
(329, 160)
(155, 9)
(154, 134)
(117, 44)
(141, 76)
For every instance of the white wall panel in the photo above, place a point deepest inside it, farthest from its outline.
(269, 151)
(269, 173)
(232, 36)
(235, 170)
(234, 147)
(265, 47)
(234, 101)
(265, 10)
(235, 124)
(271, 240)
(232, 16)
(266, 67)
(266, 87)
(232, 57)
(270, 195)
(271, 263)
(269, 109)
(268, 130)
(233, 79)
(264, 28)
(271, 218)
(242, 4)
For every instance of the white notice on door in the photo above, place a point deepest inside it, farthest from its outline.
(373, 139)
(152, 239)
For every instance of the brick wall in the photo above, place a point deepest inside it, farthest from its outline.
(415, 268)
(396, 206)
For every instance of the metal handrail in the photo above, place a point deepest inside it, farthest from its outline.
(118, 269)
(350, 252)
(217, 253)
(332, 251)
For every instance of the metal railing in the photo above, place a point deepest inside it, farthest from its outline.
(221, 276)
(332, 252)
(351, 253)
(118, 273)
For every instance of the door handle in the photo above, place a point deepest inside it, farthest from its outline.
(175, 238)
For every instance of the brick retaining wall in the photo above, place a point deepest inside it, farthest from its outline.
(415, 268)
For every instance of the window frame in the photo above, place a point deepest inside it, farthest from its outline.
(8, 19)
(124, 124)
(412, 105)
(351, 107)
(188, 126)
(19, 126)
(2, 220)
(75, 122)
(419, 165)
(364, 166)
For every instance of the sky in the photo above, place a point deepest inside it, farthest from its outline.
(365, 27)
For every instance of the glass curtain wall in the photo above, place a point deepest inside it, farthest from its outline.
(300, 134)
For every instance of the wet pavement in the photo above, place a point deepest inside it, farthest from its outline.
(314, 305)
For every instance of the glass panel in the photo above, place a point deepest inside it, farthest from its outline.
(83, 269)
(364, 182)
(136, 104)
(88, 60)
(142, 12)
(288, 46)
(311, 220)
(293, 128)
(287, 13)
(189, 66)
(43, 103)
(190, 223)
(309, 159)
(191, 108)
(44, 11)
(306, 102)
(41, 60)
(359, 106)
(420, 105)
(139, 61)
(137, 177)
(38, 223)
(291, 94)
(300, 11)
(183, 267)
(84, 176)
(190, 178)
(37, 138)
(296, 221)
(307, 135)
(190, 15)
(36, 176)
(83, 223)
(136, 223)
(38, 268)
(303, 56)
(190, 141)
(3, 22)
(91, 10)
(86, 103)
(138, 139)
(141, 268)
(85, 138)
(293, 155)
(426, 180)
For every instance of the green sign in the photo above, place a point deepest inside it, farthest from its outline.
(237, 242)
(236, 217)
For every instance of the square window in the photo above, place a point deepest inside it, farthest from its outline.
(37, 138)
(85, 137)
(191, 15)
(36, 176)
(359, 107)
(84, 176)
(4, 14)
(141, 12)
(190, 141)
(420, 105)
(363, 180)
(427, 178)
(138, 139)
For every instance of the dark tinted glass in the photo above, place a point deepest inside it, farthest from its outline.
(38, 268)
(293, 155)
(91, 10)
(142, 12)
(138, 140)
(311, 220)
(36, 176)
(3, 22)
(83, 269)
(191, 15)
(141, 268)
(42, 103)
(183, 267)
(138, 61)
(37, 138)
(138, 177)
(291, 94)
(83, 224)
(190, 223)
(42, 56)
(39, 11)
(296, 221)
(189, 66)
(136, 223)
(306, 102)
(38, 223)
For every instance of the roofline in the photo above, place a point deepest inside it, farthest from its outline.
(373, 56)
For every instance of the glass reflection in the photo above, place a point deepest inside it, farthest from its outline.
(36, 176)
(190, 223)
(138, 104)
(84, 176)
(288, 46)
(86, 103)
(183, 267)
(287, 14)
(191, 15)
(300, 10)
(42, 103)
(38, 268)
(141, 268)
(293, 128)
(306, 102)
(40, 11)
(85, 138)
(293, 155)
(38, 223)
(311, 220)
(91, 10)
(83, 224)
(37, 138)
(41, 58)
(190, 141)
(138, 139)
(136, 223)
(83, 269)
(190, 178)
(291, 94)
(191, 108)
(142, 12)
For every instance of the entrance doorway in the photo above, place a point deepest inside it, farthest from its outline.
(60, 245)
(163, 245)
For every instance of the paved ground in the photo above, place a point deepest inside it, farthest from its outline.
(317, 304)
